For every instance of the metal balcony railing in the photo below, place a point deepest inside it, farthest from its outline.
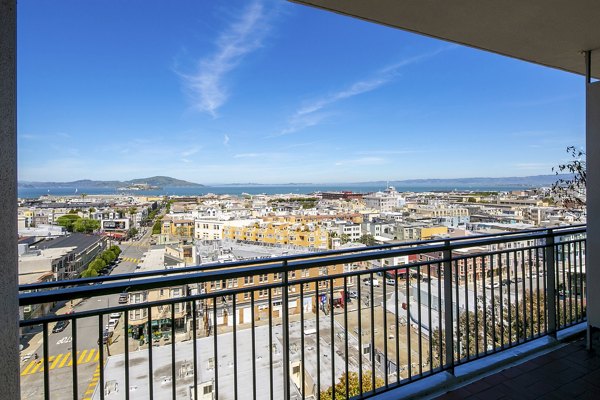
(337, 324)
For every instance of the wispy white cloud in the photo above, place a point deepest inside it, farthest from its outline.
(389, 152)
(190, 152)
(258, 155)
(207, 86)
(226, 140)
(363, 161)
(312, 113)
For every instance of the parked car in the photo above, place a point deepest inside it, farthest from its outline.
(495, 285)
(115, 315)
(368, 281)
(123, 298)
(390, 281)
(106, 335)
(352, 294)
(112, 324)
(60, 326)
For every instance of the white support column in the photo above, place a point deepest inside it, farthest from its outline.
(9, 317)
(593, 201)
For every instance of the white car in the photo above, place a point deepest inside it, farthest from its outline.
(115, 315)
(489, 285)
(375, 282)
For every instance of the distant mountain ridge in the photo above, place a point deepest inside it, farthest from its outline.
(162, 181)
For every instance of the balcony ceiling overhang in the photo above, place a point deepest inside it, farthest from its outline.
(552, 33)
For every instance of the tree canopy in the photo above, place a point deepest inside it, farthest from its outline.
(86, 225)
(68, 221)
(353, 385)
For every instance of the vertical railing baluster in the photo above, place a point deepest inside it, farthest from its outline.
(149, 340)
(429, 321)
(372, 302)
(126, 343)
(235, 358)
(101, 356)
(484, 303)
(286, 331)
(550, 288)
(493, 299)
(45, 361)
(271, 394)
(347, 356)
(385, 332)
(467, 322)
(302, 355)
(408, 333)
(318, 339)
(74, 357)
(360, 351)
(253, 328)
(195, 345)
(419, 312)
(508, 295)
(215, 347)
(173, 355)
(397, 332)
(439, 314)
(457, 337)
(501, 300)
(516, 279)
(448, 317)
(476, 306)
(332, 333)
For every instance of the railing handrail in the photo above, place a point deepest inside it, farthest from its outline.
(406, 246)
(241, 269)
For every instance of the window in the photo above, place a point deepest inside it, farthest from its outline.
(248, 280)
(246, 295)
(208, 389)
(277, 276)
(291, 274)
(263, 278)
(305, 273)
(322, 271)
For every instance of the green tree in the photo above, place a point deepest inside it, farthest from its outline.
(367, 239)
(345, 238)
(86, 225)
(89, 273)
(570, 192)
(157, 227)
(115, 249)
(68, 221)
(97, 264)
(108, 256)
(132, 232)
(353, 386)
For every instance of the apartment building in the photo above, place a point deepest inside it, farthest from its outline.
(304, 235)
(157, 259)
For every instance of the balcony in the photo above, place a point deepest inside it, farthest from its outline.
(313, 321)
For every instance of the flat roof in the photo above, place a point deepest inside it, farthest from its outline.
(552, 33)
(78, 241)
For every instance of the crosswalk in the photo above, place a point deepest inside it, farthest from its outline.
(61, 361)
(93, 383)
(131, 259)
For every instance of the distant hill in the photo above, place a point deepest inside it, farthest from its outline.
(161, 181)
(516, 181)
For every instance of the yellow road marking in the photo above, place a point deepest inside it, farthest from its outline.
(56, 361)
(97, 357)
(64, 361)
(26, 370)
(90, 355)
(81, 357)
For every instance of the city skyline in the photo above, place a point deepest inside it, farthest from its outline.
(273, 92)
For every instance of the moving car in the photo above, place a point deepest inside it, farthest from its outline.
(123, 298)
(368, 281)
(60, 326)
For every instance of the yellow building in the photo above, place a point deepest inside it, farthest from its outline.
(177, 227)
(429, 232)
(297, 234)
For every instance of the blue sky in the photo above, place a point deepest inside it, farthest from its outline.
(270, 91)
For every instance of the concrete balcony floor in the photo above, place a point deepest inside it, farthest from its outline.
(568, 372)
